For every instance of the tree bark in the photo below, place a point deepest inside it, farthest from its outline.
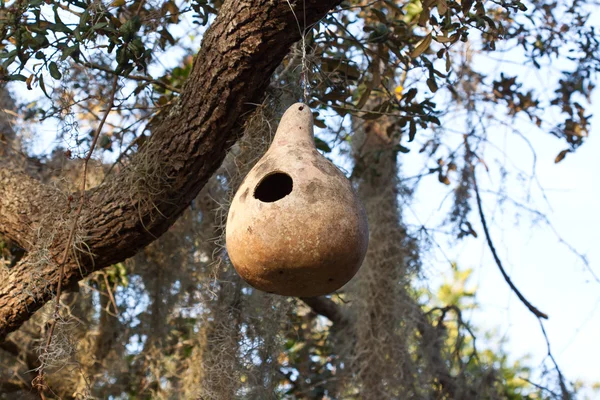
(240, 52)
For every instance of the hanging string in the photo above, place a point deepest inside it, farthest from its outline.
(304, 81)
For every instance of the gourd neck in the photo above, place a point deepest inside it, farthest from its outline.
(296, 127)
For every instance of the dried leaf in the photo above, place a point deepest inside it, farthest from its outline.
(443, 178)
(442, 6)
(43, 86)
(402, 149)
(466, 6)
(398, 92)
(443, 39)
(422, 46)
(424, 16)
(412, 131)
(432, 85)
(365, 96)
(561, 156)
(29, 81)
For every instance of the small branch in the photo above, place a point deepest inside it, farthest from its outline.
(326, 308)
(561, 380)
(554, 394)
(460, 320)
(139, 78)
(490, 243)
(110, 294)
(548, 223)
(565, 395)
(39, 380)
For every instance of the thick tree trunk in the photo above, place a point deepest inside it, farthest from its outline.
(239, 54)
(377, 293)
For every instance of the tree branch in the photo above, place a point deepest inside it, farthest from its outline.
(239, 54)
(139, 78)
(490, 243)
(327, 308)
(430, 341)
(565, 395)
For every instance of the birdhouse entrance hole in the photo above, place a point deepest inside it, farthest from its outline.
(274, 187)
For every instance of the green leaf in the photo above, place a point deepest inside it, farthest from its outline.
(99, 25)
(322, 145)
(54, 72)
(69, 51)
(8, 54)
(340, 66)
(59, 26)
(17, 77)
(137, 47)
(130, 28)
(43, 85)
(105, 142)
(10, 59)
(84, 18)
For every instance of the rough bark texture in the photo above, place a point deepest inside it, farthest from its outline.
(239, 54)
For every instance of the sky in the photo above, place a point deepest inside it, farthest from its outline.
(546, 271)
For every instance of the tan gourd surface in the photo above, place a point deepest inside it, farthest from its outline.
(307, 242)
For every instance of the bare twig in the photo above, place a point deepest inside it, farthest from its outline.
(110, 294)
(539, 386)
(490, 243)
(560, 239)
(139, 78)
(565, 395)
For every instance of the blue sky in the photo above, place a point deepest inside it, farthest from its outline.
(546, 271)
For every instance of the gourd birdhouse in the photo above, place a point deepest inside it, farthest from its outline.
(296, 226)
